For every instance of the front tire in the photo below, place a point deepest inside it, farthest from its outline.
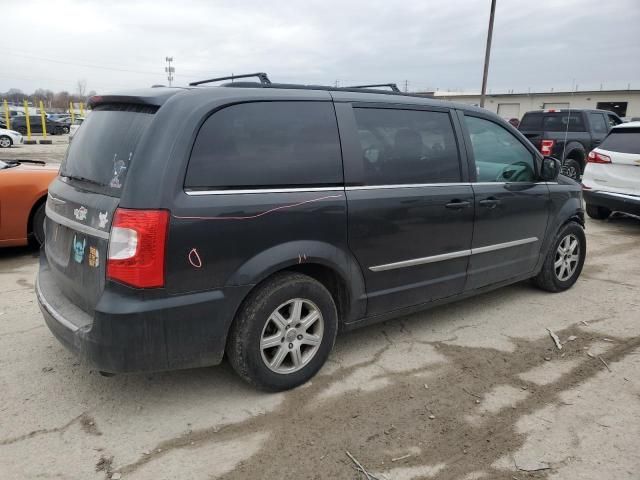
(597, 213)
(5, 141)
(564, 261)
(283, 332)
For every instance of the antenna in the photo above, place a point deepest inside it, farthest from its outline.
(169, 69)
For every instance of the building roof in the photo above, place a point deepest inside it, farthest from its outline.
(531, 94)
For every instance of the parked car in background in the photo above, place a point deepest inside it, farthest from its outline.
(611, 181)
(23, 191)
(53, 127)
(286, 213)
(73, 128)
(9, 138)
(568, 135)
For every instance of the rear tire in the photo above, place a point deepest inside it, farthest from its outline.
(564, 260)
(283, 332)
(38, 224)
(597, 213)
(22, 130)
(571, 168)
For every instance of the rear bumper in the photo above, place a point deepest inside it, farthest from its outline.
(128, 335)
(613, 201)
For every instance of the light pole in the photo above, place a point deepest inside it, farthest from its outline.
(169, 69)
(487, 53)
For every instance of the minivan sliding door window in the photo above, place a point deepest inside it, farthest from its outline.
(267, 145)
(407, 147)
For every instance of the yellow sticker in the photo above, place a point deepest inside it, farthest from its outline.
(94, 257)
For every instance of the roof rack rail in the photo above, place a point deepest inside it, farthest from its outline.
(264, 79)
(392, 86)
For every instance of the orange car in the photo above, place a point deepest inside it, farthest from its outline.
(23, 192)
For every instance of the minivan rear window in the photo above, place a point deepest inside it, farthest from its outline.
(102, 149)
(267, 144)
(623, 140)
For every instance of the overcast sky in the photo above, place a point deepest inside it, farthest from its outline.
(432, 44)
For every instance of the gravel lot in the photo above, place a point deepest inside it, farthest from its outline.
(472, 390)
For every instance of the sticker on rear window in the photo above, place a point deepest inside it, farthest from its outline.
(119, 168)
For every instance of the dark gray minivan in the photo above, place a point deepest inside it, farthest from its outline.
(259, 219)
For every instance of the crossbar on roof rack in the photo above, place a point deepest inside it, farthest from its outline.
(264, 79)
(392, 86)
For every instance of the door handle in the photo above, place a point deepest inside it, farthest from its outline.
(458, 204)
(489, 202)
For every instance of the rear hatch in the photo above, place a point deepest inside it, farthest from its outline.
(84, 197)
(622, 174)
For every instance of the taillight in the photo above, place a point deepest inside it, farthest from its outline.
(547, 147)
(595, 157)
(137, 247)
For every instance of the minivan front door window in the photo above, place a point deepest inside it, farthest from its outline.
(499, 155)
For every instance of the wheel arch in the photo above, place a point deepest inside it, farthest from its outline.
(576, 151)
(334, 267)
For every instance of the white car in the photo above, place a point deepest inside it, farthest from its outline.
(611, 180)
(75, 126)
(9, 137)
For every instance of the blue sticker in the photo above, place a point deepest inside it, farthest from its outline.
(78, 249)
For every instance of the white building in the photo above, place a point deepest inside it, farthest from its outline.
(626, 103)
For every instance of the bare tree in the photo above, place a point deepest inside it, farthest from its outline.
(82, 88)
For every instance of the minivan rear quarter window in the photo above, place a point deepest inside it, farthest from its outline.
(267, 144)
(101, 151)
(407, 146)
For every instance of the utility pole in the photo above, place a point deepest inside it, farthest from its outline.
(169, 69)
(487, 53)
(406, 86)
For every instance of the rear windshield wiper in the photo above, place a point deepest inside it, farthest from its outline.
(82, 179)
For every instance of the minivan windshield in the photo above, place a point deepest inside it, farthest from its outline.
(101, 151)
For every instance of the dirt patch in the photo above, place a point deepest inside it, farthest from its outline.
(308, 438)
(88, 425)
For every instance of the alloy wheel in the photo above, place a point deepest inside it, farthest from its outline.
(291, 336)
(567, 257)
(5, 142)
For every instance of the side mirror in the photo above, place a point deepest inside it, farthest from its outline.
(550, 169)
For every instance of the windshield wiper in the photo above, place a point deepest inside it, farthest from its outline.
(83, 179)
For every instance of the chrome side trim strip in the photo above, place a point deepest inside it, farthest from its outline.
(196, 193)
(420, 261)
(56, 217)
(619, 195)
(449, 256)
(499, 246)
(59, 318)
(405, 185)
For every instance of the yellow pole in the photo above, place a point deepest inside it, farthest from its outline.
(44, 121)
(82, 109)
(73, 115)
(26, 114)
(7, 119)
